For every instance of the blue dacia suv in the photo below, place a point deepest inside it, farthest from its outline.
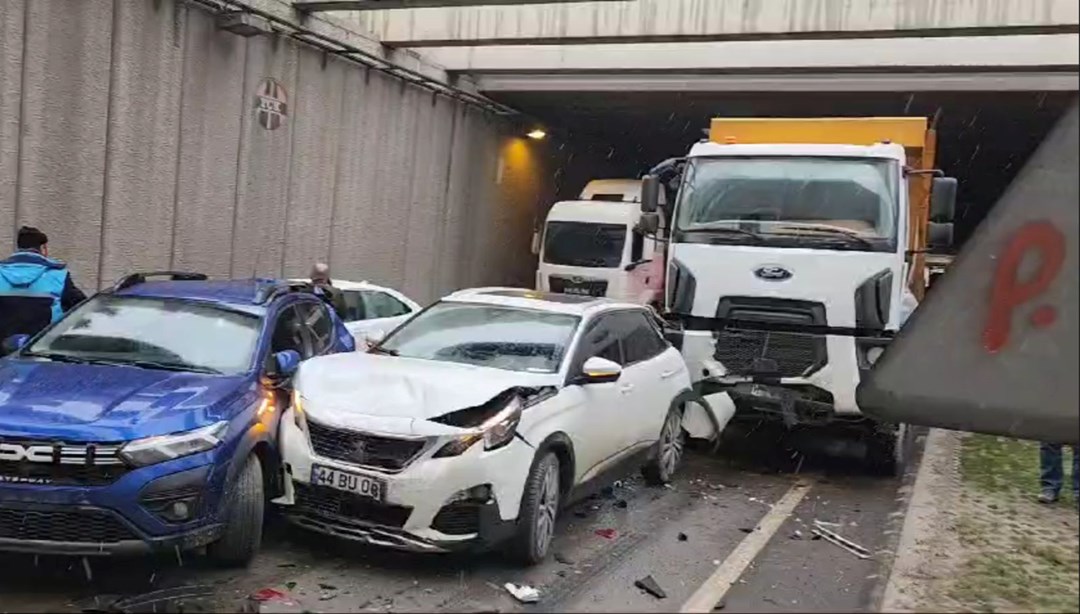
(147, 417)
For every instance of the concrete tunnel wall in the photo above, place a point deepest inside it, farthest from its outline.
(128, 133)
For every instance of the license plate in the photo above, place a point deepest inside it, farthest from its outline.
(578, 291)
(349, 482)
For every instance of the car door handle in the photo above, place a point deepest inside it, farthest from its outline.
(667, 374)
(625, 388)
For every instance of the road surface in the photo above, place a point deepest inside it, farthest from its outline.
(723, 531)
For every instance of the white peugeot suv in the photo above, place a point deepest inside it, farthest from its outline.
(476, 420)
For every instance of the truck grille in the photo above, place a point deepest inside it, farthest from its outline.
(80, 526)
(329, 504)
(576, 285)
(386, 453)
(748, 347)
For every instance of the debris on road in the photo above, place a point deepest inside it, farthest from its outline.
(797, 534)
(683, 537)
(746, 529)
(97, 603)
(563, 558)
(327, 587)
(649, 585)
(839, 540)
(523, 593)
(607, 533)
(621, 504)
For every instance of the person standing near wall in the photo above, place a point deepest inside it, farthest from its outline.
(1052, 472)
(35, 290)
(324, 287)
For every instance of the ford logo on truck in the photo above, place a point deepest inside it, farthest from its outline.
(772, 273)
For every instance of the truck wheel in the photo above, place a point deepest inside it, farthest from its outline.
(243, 518)
(668, 453)
(887, 449)
(539, 509)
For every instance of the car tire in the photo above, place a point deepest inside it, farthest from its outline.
(668, 450)
(539, 510)
(244, 512)
(888, 447)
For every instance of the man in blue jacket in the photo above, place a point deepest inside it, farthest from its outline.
(35, 290)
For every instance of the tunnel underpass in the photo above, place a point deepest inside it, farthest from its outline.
(984, 138)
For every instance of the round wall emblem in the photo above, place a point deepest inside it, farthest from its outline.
(271, 104)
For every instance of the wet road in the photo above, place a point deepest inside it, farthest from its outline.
(681, 536)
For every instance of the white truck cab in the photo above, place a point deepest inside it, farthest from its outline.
(592, 246)
(792, 246)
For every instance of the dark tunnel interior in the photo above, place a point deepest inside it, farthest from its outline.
(984, 138)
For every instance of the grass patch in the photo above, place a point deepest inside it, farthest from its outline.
(1016, 555)
(1002, 465)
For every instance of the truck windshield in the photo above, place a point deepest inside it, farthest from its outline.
(584, 244)
(845, 201)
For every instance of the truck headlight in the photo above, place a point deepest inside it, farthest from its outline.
(873, 354)
(161, 448)
(496, 431)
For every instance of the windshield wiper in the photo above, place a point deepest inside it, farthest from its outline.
(164, 366)
(121, 362)
(835, 231)
(724, 226)
(57, 357)
(378, 349)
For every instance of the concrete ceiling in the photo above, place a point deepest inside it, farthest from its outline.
(984, 137)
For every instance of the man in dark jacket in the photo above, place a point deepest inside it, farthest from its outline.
(35, 290)
(324, 287)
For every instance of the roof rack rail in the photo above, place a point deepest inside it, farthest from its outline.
(134, 279)
(268, 292)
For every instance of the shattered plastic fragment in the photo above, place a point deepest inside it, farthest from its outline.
(523, 593)
(607, 533)
(649, 585)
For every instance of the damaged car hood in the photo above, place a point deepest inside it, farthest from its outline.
(346, 388)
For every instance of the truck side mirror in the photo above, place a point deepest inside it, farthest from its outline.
(535, 243)
(943, 199)
(648, 223)
(939, 235)
(650, 193)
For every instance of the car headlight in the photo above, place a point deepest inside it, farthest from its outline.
(496, 431)
(161, 448)
(298, 410)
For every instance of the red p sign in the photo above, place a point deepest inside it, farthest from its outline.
(1009, 292)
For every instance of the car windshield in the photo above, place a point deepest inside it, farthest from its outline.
(154, 333)
(584, 244)
(835, 198)
(485, 335)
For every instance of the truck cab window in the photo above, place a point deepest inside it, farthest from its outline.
(584, 244)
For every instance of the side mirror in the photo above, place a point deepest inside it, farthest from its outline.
(943, 199)
(374, 337)
(535, 243)
(598, 370)
(14, 343)
(939, 236)
(648, 223)
(650, 193)
(285, 364)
